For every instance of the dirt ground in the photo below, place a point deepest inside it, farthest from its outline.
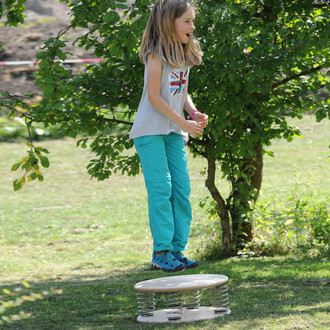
(44, 19)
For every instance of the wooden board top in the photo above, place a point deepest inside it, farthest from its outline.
(181, 283)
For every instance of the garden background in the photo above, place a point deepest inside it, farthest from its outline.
(71, 248)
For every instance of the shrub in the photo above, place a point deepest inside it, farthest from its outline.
(301, 225)
(13, 129)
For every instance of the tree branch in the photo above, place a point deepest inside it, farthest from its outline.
(321, 5)
(204, 142)
(223, 210)
(11, 108)
(65, 30)
(8, 96)
(297, 75)
(116, 121)
(201, 153)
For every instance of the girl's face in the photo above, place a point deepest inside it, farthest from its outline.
(184, 25)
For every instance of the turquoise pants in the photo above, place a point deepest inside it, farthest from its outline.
(164, 165)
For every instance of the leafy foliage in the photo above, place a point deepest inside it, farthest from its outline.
(303, 223)
(266, 61)
(299, 226)
(15, 128)
(31, 166)
(263, 61)
(14, 11)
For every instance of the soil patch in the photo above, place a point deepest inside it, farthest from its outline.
(44, 19)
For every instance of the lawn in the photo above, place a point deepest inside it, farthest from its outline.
(91, 239)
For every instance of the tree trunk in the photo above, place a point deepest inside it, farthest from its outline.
(258, 163)
(223, 213)
(242, 229)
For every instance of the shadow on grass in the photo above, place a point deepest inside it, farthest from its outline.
(260, 290)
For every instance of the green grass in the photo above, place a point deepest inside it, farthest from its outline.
(92, 240)
(264, 293)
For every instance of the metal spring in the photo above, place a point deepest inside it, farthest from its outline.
(174, 302)
(191, 299)
(220, 298)
(146, 303)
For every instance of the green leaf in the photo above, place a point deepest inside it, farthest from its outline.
(40, 177)
(42, 149)
(15, 167)
(121, 6)
(48, 89)
(17, 185)
(111, 17)
(44, 161)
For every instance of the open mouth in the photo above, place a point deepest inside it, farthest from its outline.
(188, 35)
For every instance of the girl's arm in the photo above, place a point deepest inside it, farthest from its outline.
(189, 105)
(154, 98)
(201, 118)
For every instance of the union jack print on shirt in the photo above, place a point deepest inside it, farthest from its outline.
(178, 81)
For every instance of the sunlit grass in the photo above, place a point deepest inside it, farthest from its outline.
(92, 239)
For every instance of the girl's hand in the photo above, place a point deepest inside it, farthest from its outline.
(201, 118)
(193, 128)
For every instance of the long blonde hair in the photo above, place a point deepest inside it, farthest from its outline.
(160, 39)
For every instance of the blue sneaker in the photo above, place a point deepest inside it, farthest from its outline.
(189, 263)
(166, 262)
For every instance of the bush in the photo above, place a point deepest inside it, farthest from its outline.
(13, 129)
(300, 226)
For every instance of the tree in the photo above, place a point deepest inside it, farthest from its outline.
(263, 61)
(266, 58)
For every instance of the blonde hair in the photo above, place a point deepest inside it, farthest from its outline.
(160, 39)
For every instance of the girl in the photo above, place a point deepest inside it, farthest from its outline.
(160, 130)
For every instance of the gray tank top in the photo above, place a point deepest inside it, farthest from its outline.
(174, 87)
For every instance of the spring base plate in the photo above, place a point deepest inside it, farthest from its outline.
(185, 315)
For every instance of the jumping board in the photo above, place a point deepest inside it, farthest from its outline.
(176, 287)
